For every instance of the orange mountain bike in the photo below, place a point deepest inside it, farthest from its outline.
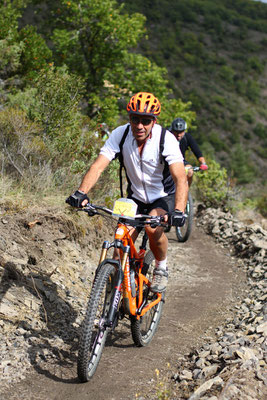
(120, 288)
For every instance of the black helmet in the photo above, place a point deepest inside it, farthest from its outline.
(179, 125)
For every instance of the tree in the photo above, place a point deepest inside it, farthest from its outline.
(91, 39)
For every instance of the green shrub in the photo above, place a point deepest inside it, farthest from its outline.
(253, 91)
(216, 141)
(249, 117)
(10, 53)
(242, 167)
(261, 151)
(35, 55)
(219, 100)
(260, 130)
(211, 186)
(262, 205)
(227, 74)
(23, 152)
(234, 137)
(254, 64)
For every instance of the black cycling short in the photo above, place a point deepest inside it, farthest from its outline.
(167, 203)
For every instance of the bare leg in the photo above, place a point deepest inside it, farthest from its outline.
(189, 173)
(158, 241)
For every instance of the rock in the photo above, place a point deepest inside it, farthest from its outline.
(209, 371)
(262, 328)
(217, 381)
(185, 374)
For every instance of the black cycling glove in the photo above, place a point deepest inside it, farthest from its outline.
(76, 199)
(176, 218)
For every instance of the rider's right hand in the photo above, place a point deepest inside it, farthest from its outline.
(76, 199)
(203, 167)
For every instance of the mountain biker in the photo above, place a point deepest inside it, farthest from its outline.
(158, 188)
(186, 140)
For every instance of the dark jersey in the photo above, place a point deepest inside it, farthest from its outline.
(189, 142)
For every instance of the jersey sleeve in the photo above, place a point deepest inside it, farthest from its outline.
(193, 145)
(112, 145)
(171, 151)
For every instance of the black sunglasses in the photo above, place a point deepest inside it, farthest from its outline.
(144, 121)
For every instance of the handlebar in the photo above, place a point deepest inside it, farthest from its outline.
(140, 220)
(202, 167)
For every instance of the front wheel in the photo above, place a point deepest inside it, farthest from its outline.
(144, 329)
(94, 332)
(183, 232)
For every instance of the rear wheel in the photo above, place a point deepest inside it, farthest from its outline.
(144, 329)
(94, 332)
(183, 232)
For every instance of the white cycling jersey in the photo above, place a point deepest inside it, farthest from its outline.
(148, 177)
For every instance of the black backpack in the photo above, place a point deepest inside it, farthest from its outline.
(120, 156)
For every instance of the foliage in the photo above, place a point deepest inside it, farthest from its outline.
(58, 95)
(35, 55)
(10, 54)
(210, 61)
(23, 152)
(253, 91)
(220, 50)
(211, 186)
(241, 165)
(260, 130)
(91, 40)
(10, 11)
(22, 51)
(262, 205)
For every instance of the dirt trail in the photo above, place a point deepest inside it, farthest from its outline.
(203, 285)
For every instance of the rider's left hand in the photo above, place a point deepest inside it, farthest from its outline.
(176, 218)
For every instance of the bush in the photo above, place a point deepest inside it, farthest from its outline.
(216, 142)
(211, 186)
(262, 205)
(253, 91)
(243, 169)
(35, 54)
(254, 64)
(10, 54)
(260, 130)
(23, 152)
(249, 117)
(227, 74)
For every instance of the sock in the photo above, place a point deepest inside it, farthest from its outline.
(162, 264)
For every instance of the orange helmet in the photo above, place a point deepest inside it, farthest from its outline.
(143, 103)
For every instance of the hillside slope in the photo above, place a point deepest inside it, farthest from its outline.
(215, 54)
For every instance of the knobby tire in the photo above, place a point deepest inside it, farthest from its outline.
(93, 336)
(144, 329)
(183, 232)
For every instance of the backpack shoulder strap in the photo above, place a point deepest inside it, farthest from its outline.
(161, 144)
(121, 156)
(123, 139)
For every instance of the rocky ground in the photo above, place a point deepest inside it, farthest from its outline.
(234, 365)
(47, 260)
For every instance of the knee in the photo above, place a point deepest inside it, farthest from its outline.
(156, 235)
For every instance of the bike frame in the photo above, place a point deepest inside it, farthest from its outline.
(133, 304)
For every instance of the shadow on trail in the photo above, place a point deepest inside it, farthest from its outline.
(120, 335)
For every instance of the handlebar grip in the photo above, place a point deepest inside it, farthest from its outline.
(203, 167)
